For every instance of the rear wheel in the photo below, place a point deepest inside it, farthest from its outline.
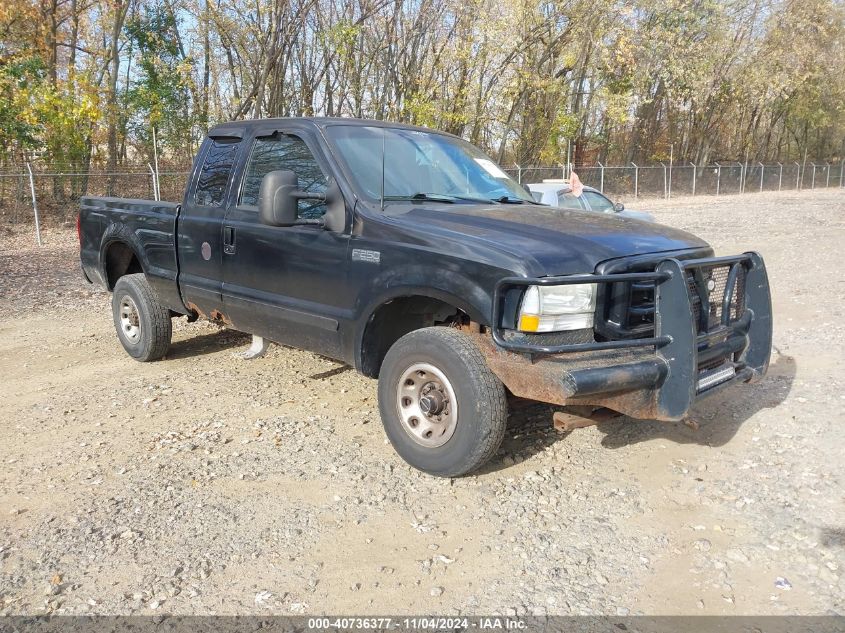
(443, 410)
(143, 325)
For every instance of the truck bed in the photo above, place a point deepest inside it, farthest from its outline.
(147, 225)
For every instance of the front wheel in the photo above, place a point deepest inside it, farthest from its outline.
(143, 325)
(442, 408)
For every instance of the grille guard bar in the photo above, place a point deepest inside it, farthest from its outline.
(676, 341)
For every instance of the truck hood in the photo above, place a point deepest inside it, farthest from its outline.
(549, 240)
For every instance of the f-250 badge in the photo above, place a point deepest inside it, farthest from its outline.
(361, 255)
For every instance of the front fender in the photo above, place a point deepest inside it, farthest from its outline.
(477, 308)
(458, 290)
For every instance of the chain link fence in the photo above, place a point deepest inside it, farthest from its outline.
(57, 193)
(665, 180)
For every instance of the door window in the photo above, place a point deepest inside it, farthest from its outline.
(568, 200)
(214, 176)
(290, 153)
(598, 202)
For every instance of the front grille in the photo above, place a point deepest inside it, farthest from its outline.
(627, 309)
(705, 365)
(707, 285)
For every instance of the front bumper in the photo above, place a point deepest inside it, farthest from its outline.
(658, 377)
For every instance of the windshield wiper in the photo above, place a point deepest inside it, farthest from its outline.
(448, 198)
(509, 200)
(438, 197)
(430, 197)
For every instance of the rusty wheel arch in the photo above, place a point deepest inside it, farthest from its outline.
(395, 318)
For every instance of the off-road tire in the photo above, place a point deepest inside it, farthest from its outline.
(152, 340)
(481, 401)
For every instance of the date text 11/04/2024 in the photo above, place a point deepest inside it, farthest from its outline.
(418, 623)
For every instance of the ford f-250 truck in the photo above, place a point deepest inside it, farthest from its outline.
(410, 255)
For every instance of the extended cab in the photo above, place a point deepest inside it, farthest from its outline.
(410, 255)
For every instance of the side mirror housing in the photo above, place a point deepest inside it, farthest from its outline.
(277, 204)
(279, 196)
(618, 207)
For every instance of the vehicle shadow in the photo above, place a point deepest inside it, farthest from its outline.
(207, 343)
(330, 373)
(719, 418)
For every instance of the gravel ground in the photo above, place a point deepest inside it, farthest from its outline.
(205, 484)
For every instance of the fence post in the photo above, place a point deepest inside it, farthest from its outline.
(694, 170)
(827, 182)
(718, 177)
(762, 169)
(741, 177)
(34, 203)
(156, 196)
(798, 177)
(744, 172)
(518, 173)
(780, 175)
(840, 173)
(813, 181)
(637, 180)
(665, 181)
(568, 156)
(155, 162)
(601, 181)
(671, 160)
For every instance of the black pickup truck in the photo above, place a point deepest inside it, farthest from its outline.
(410, 255)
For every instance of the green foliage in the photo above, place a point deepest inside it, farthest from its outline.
(341, 38)
(563, 128)
(713, 79)
(19, 128)
(159, 94)
(38, 118)
(66, 117)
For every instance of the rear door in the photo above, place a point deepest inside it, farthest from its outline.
(285, 283)
(199, 233)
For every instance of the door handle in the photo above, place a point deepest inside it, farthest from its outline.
(229, 240)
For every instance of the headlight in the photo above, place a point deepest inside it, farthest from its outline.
(556, 308)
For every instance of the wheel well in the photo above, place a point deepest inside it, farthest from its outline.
(121, 260)
(394, 319)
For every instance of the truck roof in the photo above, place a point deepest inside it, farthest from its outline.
(238, 129)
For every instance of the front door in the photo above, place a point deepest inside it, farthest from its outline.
(287, 284)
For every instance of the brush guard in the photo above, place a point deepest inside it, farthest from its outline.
(672, 374)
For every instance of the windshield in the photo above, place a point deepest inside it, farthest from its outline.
(421, 165)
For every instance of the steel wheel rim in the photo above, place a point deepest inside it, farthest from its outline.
(130, 320)
(427, 406)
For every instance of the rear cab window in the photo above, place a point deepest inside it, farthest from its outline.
(214, 175)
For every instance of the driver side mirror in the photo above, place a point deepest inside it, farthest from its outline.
(278, 198)
(618, 207)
